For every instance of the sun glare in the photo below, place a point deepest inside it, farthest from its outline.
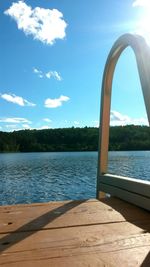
(143, 23)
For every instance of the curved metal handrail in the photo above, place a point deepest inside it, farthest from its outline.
(142, 54)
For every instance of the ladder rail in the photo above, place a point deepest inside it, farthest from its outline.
(142, 54)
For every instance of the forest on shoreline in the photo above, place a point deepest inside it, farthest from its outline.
(128, 137)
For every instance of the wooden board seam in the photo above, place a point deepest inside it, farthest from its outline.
(115, 186)
(62, 227)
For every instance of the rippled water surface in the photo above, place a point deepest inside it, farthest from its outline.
(42, 177)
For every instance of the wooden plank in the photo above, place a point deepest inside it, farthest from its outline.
(133, 198)
(114, 244)
(137, 186)
(65, 214)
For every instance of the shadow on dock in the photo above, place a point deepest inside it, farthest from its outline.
(29, 229)
(146, 262)
(126, 212)
(143, 224)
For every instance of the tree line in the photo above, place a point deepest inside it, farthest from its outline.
(128, 137)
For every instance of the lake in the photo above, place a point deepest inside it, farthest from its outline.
(43, 177)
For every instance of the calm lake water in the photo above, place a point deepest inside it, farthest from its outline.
(42, 177)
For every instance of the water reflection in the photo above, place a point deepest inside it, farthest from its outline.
(42, 177)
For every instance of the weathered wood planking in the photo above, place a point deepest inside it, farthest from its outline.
(119, 244)
(75, 237)
(64, 214)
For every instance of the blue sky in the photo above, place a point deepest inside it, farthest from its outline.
(53, 54)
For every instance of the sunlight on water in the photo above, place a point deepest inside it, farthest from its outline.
(42, 177)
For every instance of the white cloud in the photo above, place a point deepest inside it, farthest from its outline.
(96, 123)
(56, 102)
(53, 74)
(57, 76)
(139, 121)
(15, 127)
(76, 122)
(142, 24)
(15, 120)
(118, 119)
(43, 127)
(17, 100)
(45, 25)
(26, 126)
(38, 72)
(11, 126)
(47, 120)
(141, 3)
(50, 74)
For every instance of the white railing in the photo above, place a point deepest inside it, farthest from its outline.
(133, 190)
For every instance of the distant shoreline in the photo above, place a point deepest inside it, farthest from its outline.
(122, 138)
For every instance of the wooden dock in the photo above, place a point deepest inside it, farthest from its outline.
(90, 233)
